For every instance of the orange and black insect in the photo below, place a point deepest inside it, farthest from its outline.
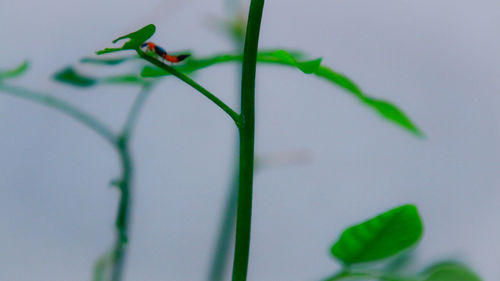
(150, 46)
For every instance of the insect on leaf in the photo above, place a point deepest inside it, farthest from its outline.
(15, 72)
(380, 237)
(136, 39)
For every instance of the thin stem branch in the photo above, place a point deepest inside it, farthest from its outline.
(235, 116)
(124, 184)
(62, 106)
(247, 135)
(135, 110)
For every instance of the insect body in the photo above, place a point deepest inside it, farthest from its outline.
(152, 47)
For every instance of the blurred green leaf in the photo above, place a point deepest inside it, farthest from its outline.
(106, 61)
(451, 272)
(136, 39)
(15, 72)
(380, 237)
(70, 76)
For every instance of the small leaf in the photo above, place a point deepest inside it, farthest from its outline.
(70, 76)
(392, 113)
(106, 61)
(451, 272)
(136, 39)
(15, 72)
(380, 237)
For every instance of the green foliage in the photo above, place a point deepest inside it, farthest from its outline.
(15, 72)
(136, 39)
(70, 76)
(380, 237)
(451, 272)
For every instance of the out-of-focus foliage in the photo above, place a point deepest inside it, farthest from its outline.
(71, 76)
(15, 72)
(451, 272)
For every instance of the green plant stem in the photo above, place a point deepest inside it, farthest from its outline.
(122, 218)
(247, 135)
(235, 116)
(124, 184)
(64, 107)
(135, 110)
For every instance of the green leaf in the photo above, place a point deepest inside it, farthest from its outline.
(136, 39)
(392, 113)
(70, 76)
(15, 72)
(307, 67)
(451, 272)
(106, 61)
(380, 237)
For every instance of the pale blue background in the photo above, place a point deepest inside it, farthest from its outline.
(437, 59)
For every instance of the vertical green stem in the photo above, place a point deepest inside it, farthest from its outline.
(247, 134)
(122, 219)
(124, 184)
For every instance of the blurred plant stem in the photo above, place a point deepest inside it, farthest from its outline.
(124, 184)
(109, 266)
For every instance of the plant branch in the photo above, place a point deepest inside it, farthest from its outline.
(64, 107)
(235, 116)
(135, 110)
(247, 135)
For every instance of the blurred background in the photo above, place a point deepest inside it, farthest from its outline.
(438, 60)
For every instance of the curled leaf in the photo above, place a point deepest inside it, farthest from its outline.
(380, 237)
(136, 39)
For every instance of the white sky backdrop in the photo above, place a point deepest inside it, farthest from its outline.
(439, 60)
